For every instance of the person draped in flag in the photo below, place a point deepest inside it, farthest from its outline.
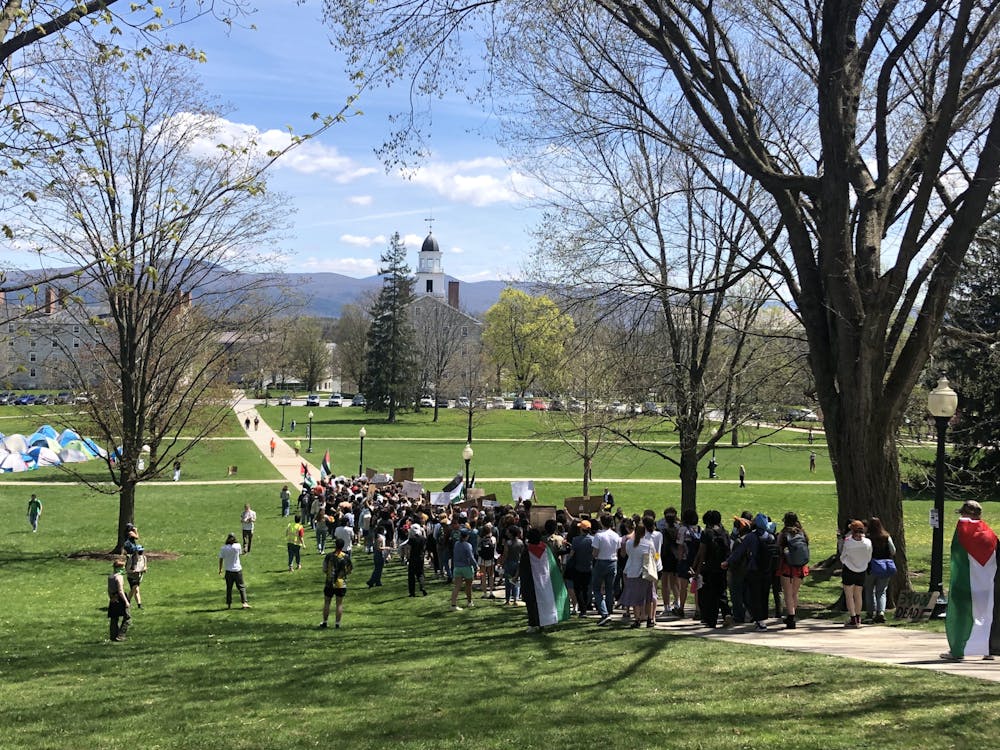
(971, 621)
(324, 469)
(542, 585)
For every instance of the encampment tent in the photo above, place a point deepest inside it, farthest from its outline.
(44, 456)
(13, 462)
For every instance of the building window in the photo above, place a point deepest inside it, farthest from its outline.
(31, 373)
(10, 328)
(76, 343)
(76, 329)
(31, 357)
(54, 344)
(32, 343)
(430, 286)
(465, 331)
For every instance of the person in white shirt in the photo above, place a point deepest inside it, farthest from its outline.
(345, 532)
(229, 563)
(855, 554)
(605, 551)
(247, 520)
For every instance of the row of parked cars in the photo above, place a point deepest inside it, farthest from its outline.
(335, 399)
(42, 399)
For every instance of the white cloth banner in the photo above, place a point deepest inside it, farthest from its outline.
(525, 489)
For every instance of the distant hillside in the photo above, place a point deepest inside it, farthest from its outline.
(323, 294)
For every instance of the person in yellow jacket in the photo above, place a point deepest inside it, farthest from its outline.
(295, 534)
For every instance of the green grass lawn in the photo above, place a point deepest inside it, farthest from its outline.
(408, 672)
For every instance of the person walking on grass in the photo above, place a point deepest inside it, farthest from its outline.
(286, 499)
(119, 607)
(855, 554)
(743, 475)
(337, 567)
(247, 520)
(229, 564)
(177, 470)
(34, 512)
(295, 534)
(135, 566)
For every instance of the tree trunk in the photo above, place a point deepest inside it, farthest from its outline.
(126, 511)
(689, 478)
(866, 469)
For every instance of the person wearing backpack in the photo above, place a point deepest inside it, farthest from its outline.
(794, 565)
(487, 554)
(712, 553)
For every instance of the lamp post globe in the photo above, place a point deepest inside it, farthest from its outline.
(942, 403)
(361, 451)
(467, 454)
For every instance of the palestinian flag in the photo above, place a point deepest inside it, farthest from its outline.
(324, 469)
(542, 586)
(455, 488)
(307, 479)
(973, 580)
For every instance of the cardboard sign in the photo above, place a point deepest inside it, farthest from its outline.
(403, 475)
(540, 514)
(490, 501)
(591, 504)
(370, 472)
(412, 490)
(380, 479)
(524, 489)
(915, 605)
(440, 498)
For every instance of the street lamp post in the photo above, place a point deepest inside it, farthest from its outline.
(942, 403)
(282, 416)
(309, 448)
(467, 455)
(361, 452)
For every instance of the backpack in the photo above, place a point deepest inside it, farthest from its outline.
(717, 550)
(798, 549)
(769, 554)
(487, 548)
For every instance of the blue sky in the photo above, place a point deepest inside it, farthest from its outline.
(346, 204)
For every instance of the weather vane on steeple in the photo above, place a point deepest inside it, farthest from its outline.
(430, 223)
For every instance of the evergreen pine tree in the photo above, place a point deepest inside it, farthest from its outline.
(969, 354)
(389, 379)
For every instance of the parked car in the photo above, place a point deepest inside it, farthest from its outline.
(358, 400)
(64, 398)
(616, 407)
(575, 405)
(462, 402)
(481, 403)
(426, 402)
(312, 400)
(335, 400)
(795, 415)
(810, 416)
(520, 404)
(650, 408)
(7, 398)
(43, 399)
(82, 398)
(538, 405)
(285, 400)
(25, 399)
(497, 402)
(441, 403)
(557, 405)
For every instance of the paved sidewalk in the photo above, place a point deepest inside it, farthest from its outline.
(284, 459)
(874, 643)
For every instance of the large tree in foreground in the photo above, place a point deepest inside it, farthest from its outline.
(874, 128)
(153, 209)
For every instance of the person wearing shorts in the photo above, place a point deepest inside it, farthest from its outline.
(464, 561)
(336, 567)
(855, 554)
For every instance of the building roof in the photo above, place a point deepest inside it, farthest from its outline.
(430, 244)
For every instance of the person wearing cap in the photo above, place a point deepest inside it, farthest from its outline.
(229, 563)
(855, 554)
(119, 615)
(416, 540)
(971, 622)
(581, 565)
(135, 566)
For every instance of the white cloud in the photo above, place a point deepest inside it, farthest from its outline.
(357, 267)
(479, 182)
(456, 251)
(362, 241)
(360, 200)
(412, 241)
(308, 157)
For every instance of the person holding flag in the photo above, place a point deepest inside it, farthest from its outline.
(324, 469)
(542, 585)
(971, 622)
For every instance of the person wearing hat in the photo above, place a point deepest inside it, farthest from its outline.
(855, 554)
(136, 565)
(971, 620)
(119, 615)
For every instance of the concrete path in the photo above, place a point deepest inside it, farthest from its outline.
(902, 647)
(284, 459)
